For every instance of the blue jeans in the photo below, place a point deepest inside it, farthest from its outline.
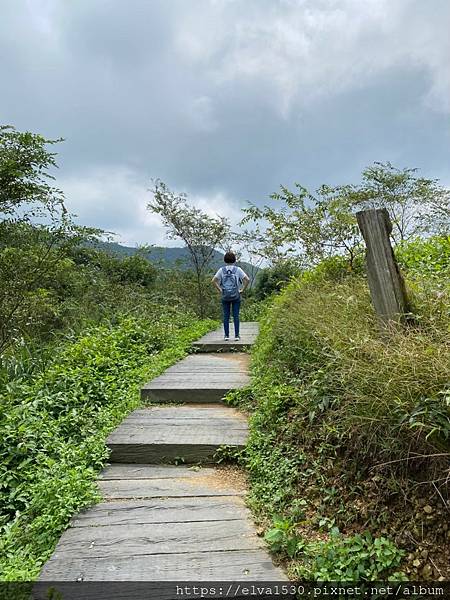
(227, 305)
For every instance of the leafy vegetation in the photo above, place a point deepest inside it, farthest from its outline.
(309, 227)
(350, 426)
(80, 331)
(350, 434)
(200, 233)
(342, 558)
(56, 414)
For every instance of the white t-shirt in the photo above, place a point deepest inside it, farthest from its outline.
(240, 274)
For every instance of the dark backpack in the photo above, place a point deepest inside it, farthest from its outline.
(230, 285)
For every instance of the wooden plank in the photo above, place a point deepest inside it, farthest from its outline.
(181, 431)
(214, 342)
(196, 384)
(179, 394)
(245, 328)
(386, 284)
(115, 541)
(166, 488)
(191, 413)
(163, 488)
(195, 380)
(237, 360)
(222, 346)
(165, 453)
(144, 471)
(180, 425)
(206, 367)
(238, 565)
(184, 435)
(207, 363)
(163, 510)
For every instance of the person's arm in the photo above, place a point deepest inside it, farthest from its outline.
(216, 282)
(245, 281)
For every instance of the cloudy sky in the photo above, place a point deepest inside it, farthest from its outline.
(224, 99)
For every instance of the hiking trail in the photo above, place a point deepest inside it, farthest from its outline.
(161, 521)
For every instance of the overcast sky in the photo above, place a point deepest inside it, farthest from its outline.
(224, 99)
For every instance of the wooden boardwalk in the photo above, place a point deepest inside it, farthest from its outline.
(214, 342)
(161, 521)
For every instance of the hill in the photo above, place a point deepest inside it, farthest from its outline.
(167, 257)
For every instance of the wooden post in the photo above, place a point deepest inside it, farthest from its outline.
(386, 284)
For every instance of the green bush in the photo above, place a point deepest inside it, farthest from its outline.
(339, 558)
(54, 421)
(272, 279)
(353, 558)
(426, 258)
(347, 416)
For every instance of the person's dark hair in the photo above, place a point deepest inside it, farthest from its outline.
(230, 257)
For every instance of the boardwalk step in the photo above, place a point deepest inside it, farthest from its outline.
(214, 342)
(159, 435)
(203, 531)
(185, 509)
(199, 378)
(234, 565)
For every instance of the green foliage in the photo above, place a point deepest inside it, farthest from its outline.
(251, 308)
(338, 558)
(416, 205)
(311, 227)
(57, 411)
(36, 236)
(282, 537)
(347, 420)
(200, 233)
(426, 259)
(308, 227)
(25, 162)
(354, 558)
(273, 279)
(36, 275)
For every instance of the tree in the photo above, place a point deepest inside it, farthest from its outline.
(200, 232)
(416, 205)
(35, 232)
(25, 191)
(273, 279)
(308, 227)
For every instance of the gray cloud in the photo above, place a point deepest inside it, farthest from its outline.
(224, 99)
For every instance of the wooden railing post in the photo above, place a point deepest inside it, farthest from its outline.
(386, 284)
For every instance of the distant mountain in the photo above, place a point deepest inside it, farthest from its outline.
(165, 256)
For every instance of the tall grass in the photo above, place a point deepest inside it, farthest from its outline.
(350, 422)
(385, 393)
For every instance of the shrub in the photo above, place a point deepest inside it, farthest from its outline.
(273, 279)
(55, 419)
(352, 419)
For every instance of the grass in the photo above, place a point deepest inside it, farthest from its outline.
(350, 432)
(55, 420)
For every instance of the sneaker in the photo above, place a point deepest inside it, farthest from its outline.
(237, 338)
(226, 338)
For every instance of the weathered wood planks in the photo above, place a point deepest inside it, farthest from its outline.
(214, 342)
(163, 522)
(199, 379)
(184, 509)
(386, 284)
(159, 437)
(237, 565)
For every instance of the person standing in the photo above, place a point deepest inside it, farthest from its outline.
(230, 280)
